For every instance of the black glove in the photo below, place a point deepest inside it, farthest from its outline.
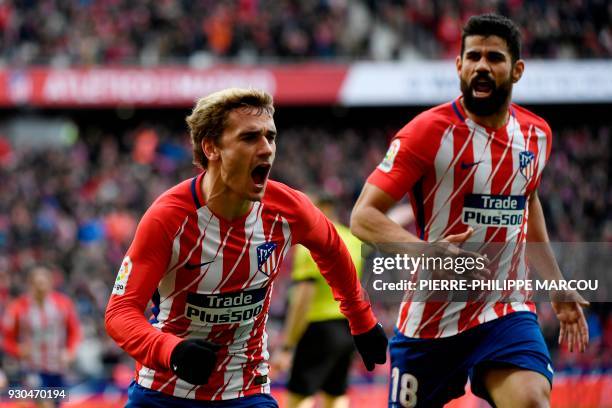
(193, 360)
(372, 345)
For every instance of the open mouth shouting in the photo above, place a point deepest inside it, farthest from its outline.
(482, 87)
(260, 174)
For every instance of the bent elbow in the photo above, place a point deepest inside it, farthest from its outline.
(110, 322)
(356, 222)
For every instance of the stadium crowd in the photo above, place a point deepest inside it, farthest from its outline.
(76, 207)
(84, 32)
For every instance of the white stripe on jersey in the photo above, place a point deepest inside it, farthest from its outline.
(176, 246)
(441, 206)
(145, 376)
(542, 147)
(415, 311)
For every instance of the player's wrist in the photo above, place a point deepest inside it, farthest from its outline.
(372, 345)
(193, 360)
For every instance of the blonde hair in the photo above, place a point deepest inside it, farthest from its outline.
(209, 116)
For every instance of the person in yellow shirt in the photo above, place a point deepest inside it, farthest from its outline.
(317, 341)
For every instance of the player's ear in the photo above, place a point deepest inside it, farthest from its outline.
(517, 70)
(458, 63)
(210, 149)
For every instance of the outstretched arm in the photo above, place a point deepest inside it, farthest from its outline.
(567, 305)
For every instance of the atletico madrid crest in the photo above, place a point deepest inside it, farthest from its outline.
(527, 163)
(266, 262)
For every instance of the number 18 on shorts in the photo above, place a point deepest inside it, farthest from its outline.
(403, 389)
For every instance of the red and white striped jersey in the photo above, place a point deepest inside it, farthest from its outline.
(212, 278)
(47, 331)
(459, 173)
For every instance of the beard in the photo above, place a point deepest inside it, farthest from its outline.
(488, 105)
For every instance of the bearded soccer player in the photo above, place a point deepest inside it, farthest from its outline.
(207, 252)
(458, 161)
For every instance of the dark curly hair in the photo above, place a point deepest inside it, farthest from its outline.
(494, 24)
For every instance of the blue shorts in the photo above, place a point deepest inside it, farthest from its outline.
(431, 372)
(48, 380)
(141, 397)
(38, 379)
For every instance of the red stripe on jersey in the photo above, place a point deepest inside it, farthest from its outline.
(402, 321)
(255, 348)
(432, 314)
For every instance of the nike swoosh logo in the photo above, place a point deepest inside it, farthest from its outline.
(465, 166)
(196, 266)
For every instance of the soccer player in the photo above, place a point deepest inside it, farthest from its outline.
(458, 161)
(313, 320)
(42, 331)
(207, 252)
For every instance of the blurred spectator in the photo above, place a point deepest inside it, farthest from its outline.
(42, 331)
(76, 32)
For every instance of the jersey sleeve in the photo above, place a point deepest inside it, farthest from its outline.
(409, 155)
(10, 330)
(73, 328)
(318, 234)
(142, 268)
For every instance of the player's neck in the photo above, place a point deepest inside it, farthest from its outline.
(494, 121)
(220, 199)
(39, 298)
